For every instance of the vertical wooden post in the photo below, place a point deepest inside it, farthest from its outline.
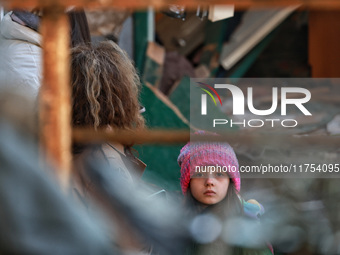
(55, 128)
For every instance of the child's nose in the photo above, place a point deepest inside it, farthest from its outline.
(209, 181)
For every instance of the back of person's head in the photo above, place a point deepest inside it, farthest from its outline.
(79, 28)
(105, 88)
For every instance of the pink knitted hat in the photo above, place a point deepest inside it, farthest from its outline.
(205, 154)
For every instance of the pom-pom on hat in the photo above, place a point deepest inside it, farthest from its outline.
(207, 154)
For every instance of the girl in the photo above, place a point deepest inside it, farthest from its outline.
(210, 181)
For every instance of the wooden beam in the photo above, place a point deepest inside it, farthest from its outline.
(55, 108)
(143, 4)
(131, 137)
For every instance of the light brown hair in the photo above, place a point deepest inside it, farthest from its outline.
(105, 88)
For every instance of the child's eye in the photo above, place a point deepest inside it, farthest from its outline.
(221, 175)
(197, 175)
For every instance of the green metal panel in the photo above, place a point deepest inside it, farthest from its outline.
(140, 38)
(162, 168)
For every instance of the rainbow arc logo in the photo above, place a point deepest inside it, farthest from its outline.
(204, 96)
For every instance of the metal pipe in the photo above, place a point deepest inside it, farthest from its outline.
(2, 12)
(151, 24)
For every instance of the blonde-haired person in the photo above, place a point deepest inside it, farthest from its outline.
(105, 91)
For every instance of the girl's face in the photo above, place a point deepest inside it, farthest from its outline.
(209, 188)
